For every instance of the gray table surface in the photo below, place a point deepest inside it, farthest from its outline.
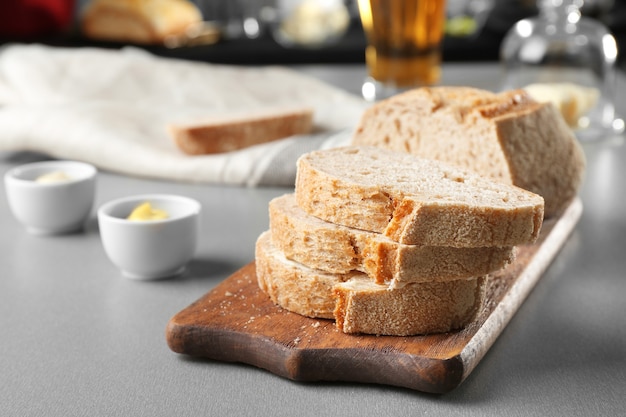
(77, 339)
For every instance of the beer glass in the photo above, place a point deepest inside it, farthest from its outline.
(403, 44)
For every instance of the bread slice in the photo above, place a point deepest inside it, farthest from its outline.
(338, 249)
(138, 21)
(358, 304)
(413, 200)
(293, 286)
(508, 136)
(234, 132)
(419, 308)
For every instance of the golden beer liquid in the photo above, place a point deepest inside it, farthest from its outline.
(404, 39)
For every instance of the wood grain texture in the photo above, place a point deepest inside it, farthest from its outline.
(236, 322)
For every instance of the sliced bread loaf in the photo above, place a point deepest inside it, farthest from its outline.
(333, 248)
(420, 308)
(358, 304)
(413, 200)
(508, 136)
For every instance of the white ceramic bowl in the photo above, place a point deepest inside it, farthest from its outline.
(51, 208)
(151, 249)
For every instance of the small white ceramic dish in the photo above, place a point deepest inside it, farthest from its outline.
(55, 207)
(151, 249)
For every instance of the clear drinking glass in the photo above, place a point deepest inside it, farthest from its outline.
(560, 46)
(403, 44)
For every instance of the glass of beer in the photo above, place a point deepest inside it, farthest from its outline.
(403, 44)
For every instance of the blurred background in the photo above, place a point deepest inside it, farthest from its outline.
(291, 31)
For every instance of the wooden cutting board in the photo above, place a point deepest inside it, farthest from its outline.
(236, 322)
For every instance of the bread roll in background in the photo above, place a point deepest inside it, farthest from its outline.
(138, 21)
(509, 137)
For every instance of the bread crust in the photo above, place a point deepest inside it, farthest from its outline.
(418, 308)
(507, 136)
(418, 202)
(333, 248)
(237, 132)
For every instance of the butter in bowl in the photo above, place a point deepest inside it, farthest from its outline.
(51, 197)
(150, 236)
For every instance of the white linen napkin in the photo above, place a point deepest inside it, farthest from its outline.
(111, 108)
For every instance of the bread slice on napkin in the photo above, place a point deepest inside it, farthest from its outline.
(358, 304)
(508, 136)
(413, 200)
(337, 249)
(237, 131)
